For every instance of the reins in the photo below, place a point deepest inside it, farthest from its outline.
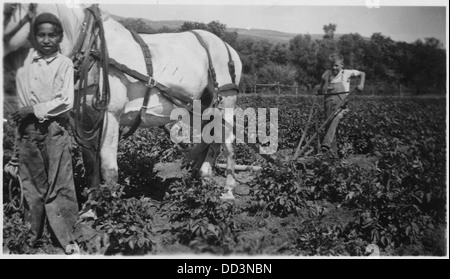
(91, 38)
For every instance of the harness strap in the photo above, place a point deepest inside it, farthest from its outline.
(231, 68)
(149, 66)
(229, 86)
(102, 101)
(92, 37)
(85, 29)
(78, 54)
(177, 98)
(211, 71)
(145, 51)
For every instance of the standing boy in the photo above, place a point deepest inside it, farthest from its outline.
(45, 92)
(338, 87)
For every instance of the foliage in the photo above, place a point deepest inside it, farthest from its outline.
(138, 154)
(199, 217)
(319, 239)
(272, 73)
(398, 185)
(279, 190)
(122, 225)
(16, 234)
(396, 189)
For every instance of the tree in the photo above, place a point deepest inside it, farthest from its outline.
(380, 55)
(323, 51)
(303, 55)
(189, 25)
(217, 28)
(353, 48)
(166, 29)
(244, 49)
(427, 70)
(230, 38)
(272, 73)
(324, 48)
(137, 25)
(260, 54)
(329, 31)
(279, 53)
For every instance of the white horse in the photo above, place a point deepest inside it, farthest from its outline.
(179, 62)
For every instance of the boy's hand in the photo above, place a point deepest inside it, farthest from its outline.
(360, 87)
(22, 113)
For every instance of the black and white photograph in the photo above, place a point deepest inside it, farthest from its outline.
(262, 129)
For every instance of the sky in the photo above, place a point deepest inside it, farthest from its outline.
(401, 20)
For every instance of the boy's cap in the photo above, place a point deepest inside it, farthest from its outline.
(47, 18)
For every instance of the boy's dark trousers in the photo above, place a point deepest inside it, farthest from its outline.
(45, 167)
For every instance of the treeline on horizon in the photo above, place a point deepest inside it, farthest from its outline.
(392, 67)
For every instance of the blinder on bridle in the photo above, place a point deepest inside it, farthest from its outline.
(9, 11)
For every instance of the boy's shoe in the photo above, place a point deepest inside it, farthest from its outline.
(72, 249)
(87, 213)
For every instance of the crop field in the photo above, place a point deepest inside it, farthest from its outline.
(387, 187)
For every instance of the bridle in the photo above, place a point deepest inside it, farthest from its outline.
(31, 13)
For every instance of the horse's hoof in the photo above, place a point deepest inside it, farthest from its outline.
(228, 195)
(206, 170)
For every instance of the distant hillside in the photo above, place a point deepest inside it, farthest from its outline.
(261, 34)
(173, 24)
(271, 36)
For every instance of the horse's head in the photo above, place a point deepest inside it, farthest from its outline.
(16, 25)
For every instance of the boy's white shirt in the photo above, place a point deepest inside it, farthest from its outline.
(46, 84)
(343, 76)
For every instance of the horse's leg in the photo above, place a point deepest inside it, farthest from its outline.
(213, 152)
(110, 134)
(229, 99)
(109, 145)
